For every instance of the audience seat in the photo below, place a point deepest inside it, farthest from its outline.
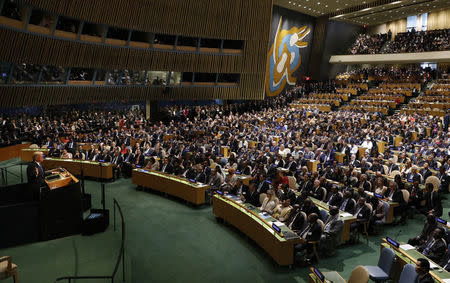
(394, 173)
(433, 180)
(380, 273)
(408, 274)
(405, 195)
(359, 275)
(8, 269)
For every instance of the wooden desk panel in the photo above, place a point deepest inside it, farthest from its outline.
(26, 154)
(170, 184)
(90, 169)
(280, 249)
(12, 151)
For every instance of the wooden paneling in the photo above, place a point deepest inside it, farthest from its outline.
(233, 19)
(247, 20)
(15, 47)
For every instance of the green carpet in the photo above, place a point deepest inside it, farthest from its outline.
(168, 240)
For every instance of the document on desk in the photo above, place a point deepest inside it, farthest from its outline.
(346, 214)
(406, 247)
(433, 265)
(264, 215)
(446, 280)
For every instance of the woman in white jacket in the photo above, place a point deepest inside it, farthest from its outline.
(270, 202)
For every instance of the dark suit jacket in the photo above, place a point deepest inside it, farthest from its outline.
(297, 220)
(335, 200)
(31, 174)
(251, 197)
(314, 233)
(437, 251)
(262, 188)
(363, 214)
(350, 205)
(426, 279)
(433, 201)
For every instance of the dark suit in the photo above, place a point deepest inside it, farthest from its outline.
(295, 221)
(434, 249)
(433, 201)
(262, 187)
(31, 174)
(335, 200)
(426, 279)
(251, 197)
(347, 205)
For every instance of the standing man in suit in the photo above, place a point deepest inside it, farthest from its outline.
(35, 171)
(331, 231)
(36, 175)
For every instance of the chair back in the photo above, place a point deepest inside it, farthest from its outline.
(395, 158)
(321, 223)
(408, 274)
(405, 195)
(324, 214)
(34, 146)
(386, 260)
(44, 146)
(394, 173)
(324, 194)
(433, 180)
(262, 197)
(386, 169)
(305, 220)
(354, 202)
(359, 275)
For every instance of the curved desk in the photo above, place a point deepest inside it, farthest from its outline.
(248, 220)
(95, 169)
(170, 184)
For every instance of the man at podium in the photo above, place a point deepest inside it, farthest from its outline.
(35, 171)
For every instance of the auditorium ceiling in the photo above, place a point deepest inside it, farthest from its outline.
(364, 12)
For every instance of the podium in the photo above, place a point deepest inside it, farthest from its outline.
(381, 146)
(59, 178)
(225, 151)
(61, 212)
(340, 157)
(312, 165)
(397, 140)
(252, 144)
(361, 151)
